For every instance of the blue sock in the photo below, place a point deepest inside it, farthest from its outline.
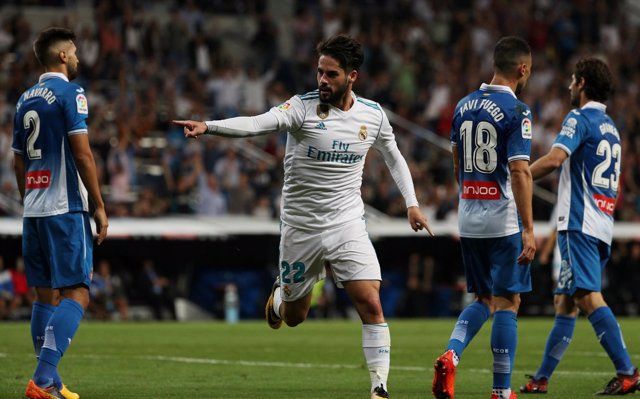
(58, 334)
(469, 323)
(557, 343)
(504, 339)
(610, 337)
(40, 315)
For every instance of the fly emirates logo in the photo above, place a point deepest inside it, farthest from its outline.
(480, 190)
(38, 179)
(605, 204)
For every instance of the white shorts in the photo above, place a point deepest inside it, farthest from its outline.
(347, 249)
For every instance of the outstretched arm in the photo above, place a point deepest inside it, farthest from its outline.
(548, 163)
(242, 126)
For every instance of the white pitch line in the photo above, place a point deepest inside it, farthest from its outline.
(251, 363)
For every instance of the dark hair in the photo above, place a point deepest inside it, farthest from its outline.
(597, 78)
(344, 49)
(508, 52)
(46, 39)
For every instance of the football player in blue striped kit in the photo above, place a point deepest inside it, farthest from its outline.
(56, 173)
(588, 151)
(491, 144)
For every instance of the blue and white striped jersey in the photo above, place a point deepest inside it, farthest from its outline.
(491, 128)
(589, 178)
(46, 115)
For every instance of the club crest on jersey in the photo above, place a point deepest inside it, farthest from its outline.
(526, 128)
(569, 128)
(322, 110)
(81, 104)
(362, 134)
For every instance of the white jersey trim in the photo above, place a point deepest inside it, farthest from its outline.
(490, 87)
(562, 147)
(49, 75)
(519, 158)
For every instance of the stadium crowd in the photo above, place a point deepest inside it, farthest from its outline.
(145, 63)
(421, 57)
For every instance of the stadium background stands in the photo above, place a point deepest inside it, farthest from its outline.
(144, 63)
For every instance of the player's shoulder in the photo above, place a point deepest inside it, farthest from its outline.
(72, 88)
(369, 103)
(313, 95)
(521, 109)
(575, 117)
(469, 97)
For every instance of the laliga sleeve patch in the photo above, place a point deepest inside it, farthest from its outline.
(81, 104)
(526, 128)
(284, 106)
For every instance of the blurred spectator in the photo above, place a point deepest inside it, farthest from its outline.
(22, 295)
(149, 67)
(418, 294)
(228, 168)
(6, 291)
(158, 291)
(107, 294)
(242, 197)
(211, 201)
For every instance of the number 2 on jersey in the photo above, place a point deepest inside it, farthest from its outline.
(483, 157)
(32, 119)
(608, 151)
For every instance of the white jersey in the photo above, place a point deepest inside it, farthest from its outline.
(325, 154)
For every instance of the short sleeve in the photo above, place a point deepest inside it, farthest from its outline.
(571, 134)
(76, 110)
(520, 134)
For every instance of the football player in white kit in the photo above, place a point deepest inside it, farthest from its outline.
(329, 132)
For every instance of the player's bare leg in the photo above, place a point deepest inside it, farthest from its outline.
(376, 341)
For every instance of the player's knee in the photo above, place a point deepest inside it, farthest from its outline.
(294, 319)
(589, 301)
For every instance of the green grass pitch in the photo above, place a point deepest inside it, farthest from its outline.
(318, 359)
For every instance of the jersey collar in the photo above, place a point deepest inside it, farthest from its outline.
(488, 87)
(49, 75)
(595, 105)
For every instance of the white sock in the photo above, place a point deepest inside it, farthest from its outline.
(503, 393)
(277, 300)
(376, 344)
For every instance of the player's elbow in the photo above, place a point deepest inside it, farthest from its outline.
(521, 173)
(554, 162)
(83, 158)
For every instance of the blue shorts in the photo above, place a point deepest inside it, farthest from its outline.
(491, 265)
(58, 250)
(583, 258)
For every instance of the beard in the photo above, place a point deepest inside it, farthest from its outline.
(72, 71)
(519, 87)
(330, 96)
(575, 99)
